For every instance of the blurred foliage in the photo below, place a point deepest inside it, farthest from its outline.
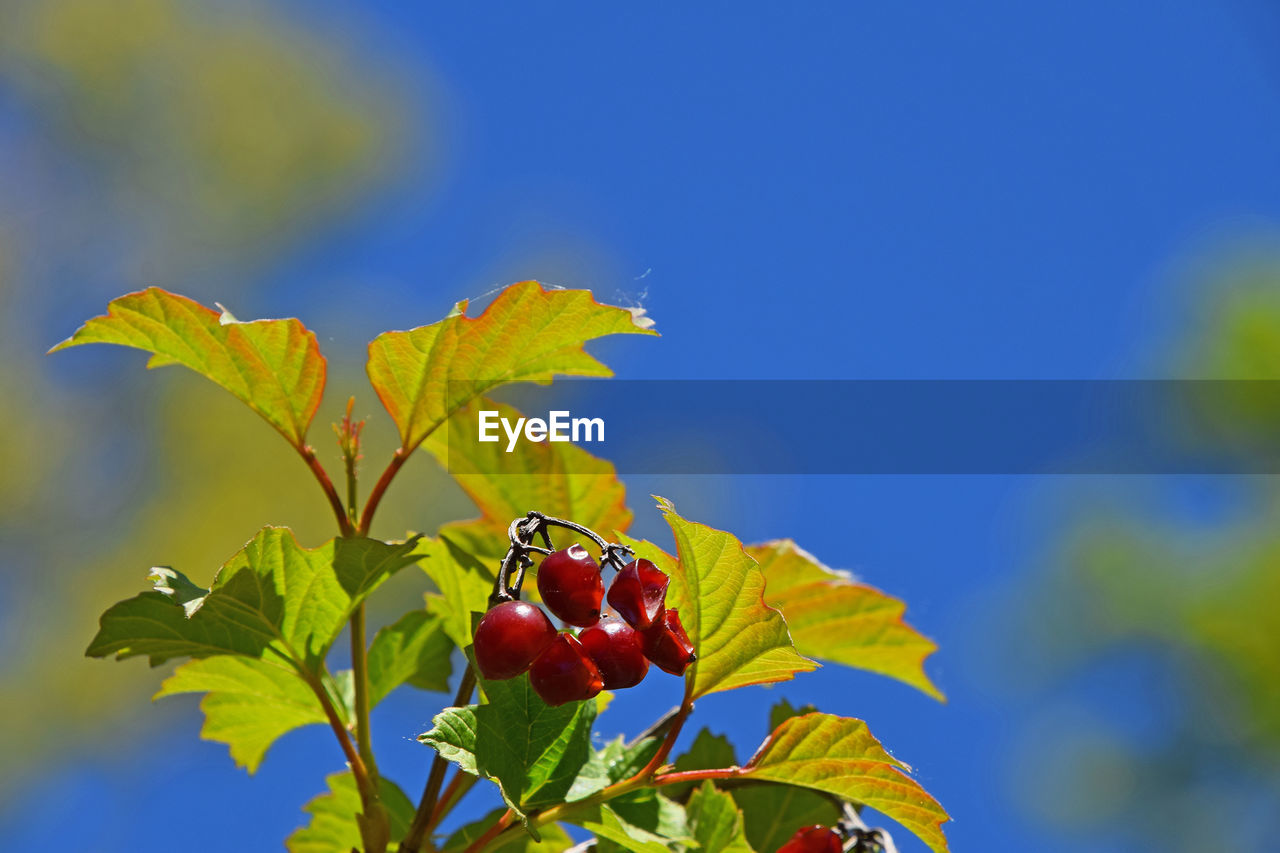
(1187, 755)
(146, 141)
(218, 125)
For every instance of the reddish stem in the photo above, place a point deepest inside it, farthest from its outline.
(696, 775)
(454, 791)
(375, 497)
(492, 832)
(358, 769)
(308, 454)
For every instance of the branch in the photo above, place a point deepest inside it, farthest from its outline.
(425, 817)
(400, 457)
(492, 832)
(308, 454)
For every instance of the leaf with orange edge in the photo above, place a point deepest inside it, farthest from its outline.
(834, 618)
(719, 591)
(840, 756)
(273, 366)
(527, 334)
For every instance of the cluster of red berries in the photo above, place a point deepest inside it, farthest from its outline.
(814, 839)
(609, 653)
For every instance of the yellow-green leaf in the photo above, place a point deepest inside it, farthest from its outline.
(834, 618)
(274, 594)
(838, 755)
(719, 591)
(557, 478)
(463, 586)
(527, 334)
(716, 822)
(274, 366)
(334, 826)
(414, 650)
(249, 702)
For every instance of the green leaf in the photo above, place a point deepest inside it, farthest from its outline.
(716, 822)
(463, 583)
(719, 591)
(707, 751)
(557, 478)
(534, 752)
(274, 594)
(834, 618)
(839, 756)
(623, 760)
(527, 334)
(274, 366)
(414, 651)
(607, 824)
(655, 813)
(250, 702)
(554, 838)
(334, 827)
(772, 813)
(618, 760)
(784, 710)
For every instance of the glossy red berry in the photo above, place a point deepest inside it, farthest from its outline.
(614, 647)
(639, 593)
(813, 839)
(564, 673)
(570, 585)
(667, 645)
(509, 638)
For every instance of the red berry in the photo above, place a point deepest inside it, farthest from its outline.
(614, 647)
(509, 638)
(639, 593)
(667, 645)
(813, 839)
(564, 673)
(570, 585)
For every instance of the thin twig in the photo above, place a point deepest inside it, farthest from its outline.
(308, 454)
(380, 488)
(423, 817)
(492, 832)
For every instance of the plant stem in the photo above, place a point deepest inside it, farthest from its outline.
(425, 816)
(358, 769)
(360, 675)
(696, 775)
(308, 454)
(492, 832)
(457, 788)
(379, 489)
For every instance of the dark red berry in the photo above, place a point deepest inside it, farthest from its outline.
(614, 647)
(509, 638)
(564, 673)
(813, 839)
(639, 593)
(667, 645)
(570, 585)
